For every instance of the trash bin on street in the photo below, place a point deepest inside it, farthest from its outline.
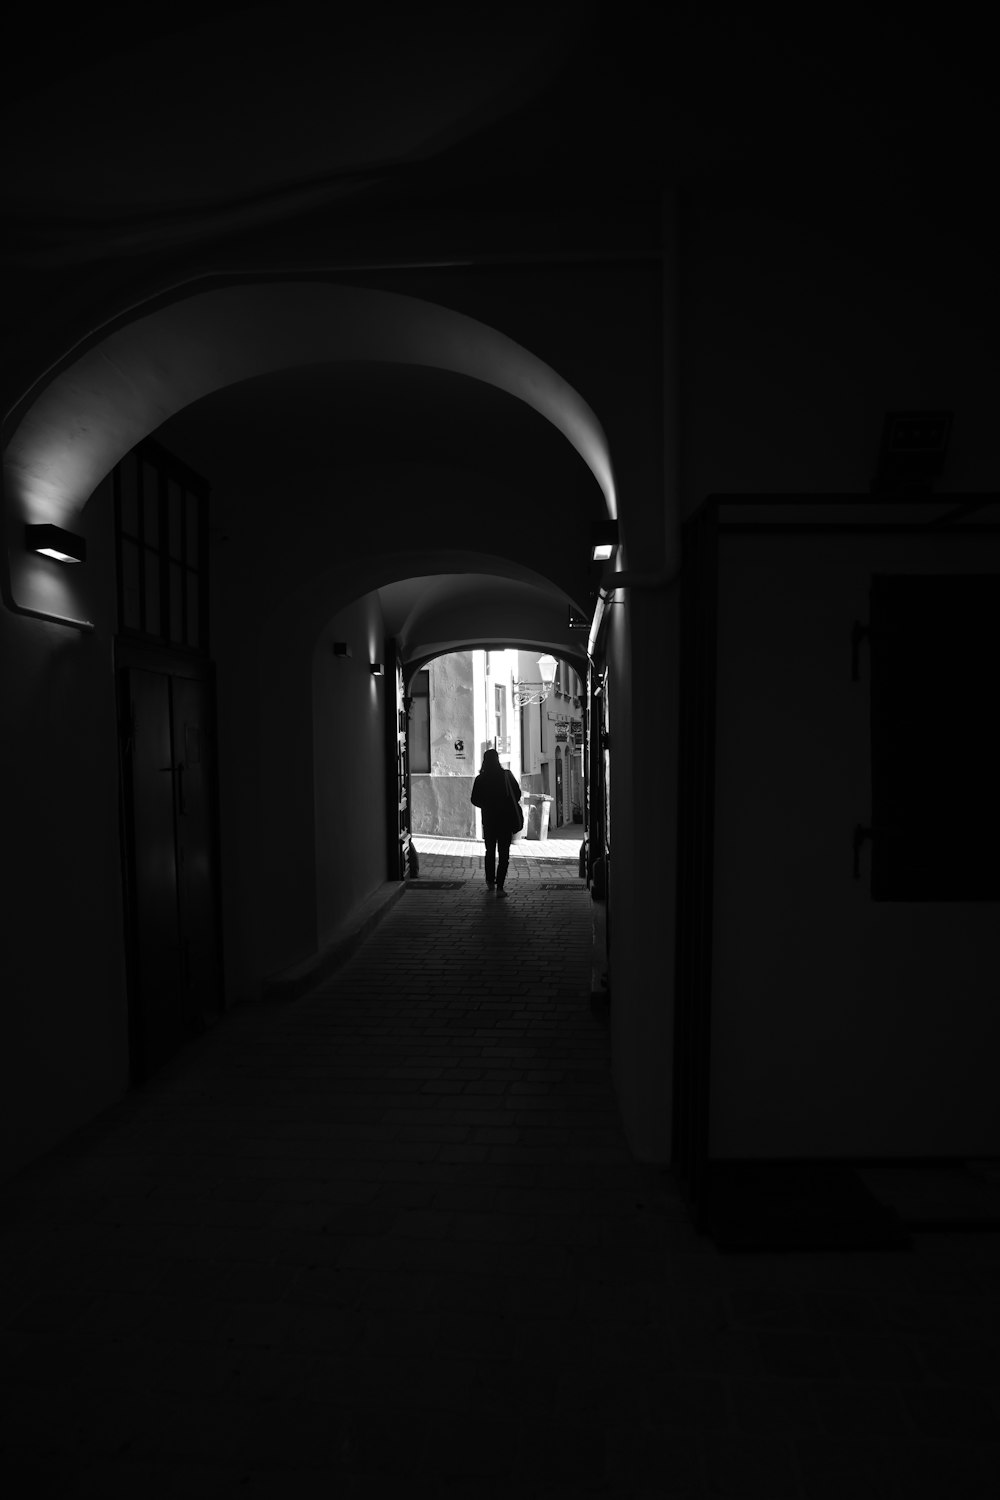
(537, 806)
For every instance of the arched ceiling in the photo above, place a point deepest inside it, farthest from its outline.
(130, 379)
(471, 464)
(432, 615)
(293, 384)
(327, 418)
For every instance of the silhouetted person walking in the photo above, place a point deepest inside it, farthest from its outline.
(498, 795)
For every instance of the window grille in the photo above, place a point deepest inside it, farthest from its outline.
(161, 543)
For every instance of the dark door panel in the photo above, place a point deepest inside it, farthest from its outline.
(194, 780)
(157, 1023)
(171, 871)
(935, 737)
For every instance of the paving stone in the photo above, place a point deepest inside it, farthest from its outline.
(876, 1356)
(574, 1232)
(437, 1380)
(493, 1227)
(871, 1469)
(653, 1462)
(955, 1413)
(748, 1468)
(785, 1408)
(799, 1354)
(389, 1440)
(559, 1448)
(471, 1294)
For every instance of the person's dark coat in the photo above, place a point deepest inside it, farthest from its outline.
(496, 792)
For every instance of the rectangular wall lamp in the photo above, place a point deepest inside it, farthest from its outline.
(378, 669)
(603, 540)
(53, 541)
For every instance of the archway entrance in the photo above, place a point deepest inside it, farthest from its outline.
(465, 702)
(387, 477)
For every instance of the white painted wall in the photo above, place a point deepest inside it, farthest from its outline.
(641, 649)
(349, 766)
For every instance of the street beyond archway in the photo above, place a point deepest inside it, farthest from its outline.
(554, 858)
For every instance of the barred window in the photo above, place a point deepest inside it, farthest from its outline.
(161, 537)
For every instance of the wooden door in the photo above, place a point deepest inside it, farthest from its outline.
(171, 885)
(156, 1025)
(194, 782)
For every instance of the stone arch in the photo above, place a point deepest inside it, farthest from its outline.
(70, 430)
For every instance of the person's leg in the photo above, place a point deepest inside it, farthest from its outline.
(491, 849)
(503, 849)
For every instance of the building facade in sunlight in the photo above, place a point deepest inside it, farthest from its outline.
(551, 733)
(469, 701)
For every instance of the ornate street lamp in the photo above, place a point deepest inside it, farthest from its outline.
(536, 692)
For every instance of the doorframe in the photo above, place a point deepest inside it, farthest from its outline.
(695, 853)
(398, 791)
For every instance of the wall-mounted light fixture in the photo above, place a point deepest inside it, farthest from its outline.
(536, 692)
(378, 669)
(341, 648)
(603, 540)
(53, 541)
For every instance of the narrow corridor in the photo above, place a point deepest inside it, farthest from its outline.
(388, 1240)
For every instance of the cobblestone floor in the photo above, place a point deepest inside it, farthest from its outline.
(470, 865)
(388, 1240)
(530, 859)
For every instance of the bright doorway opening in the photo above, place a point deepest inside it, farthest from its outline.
(529, 707)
